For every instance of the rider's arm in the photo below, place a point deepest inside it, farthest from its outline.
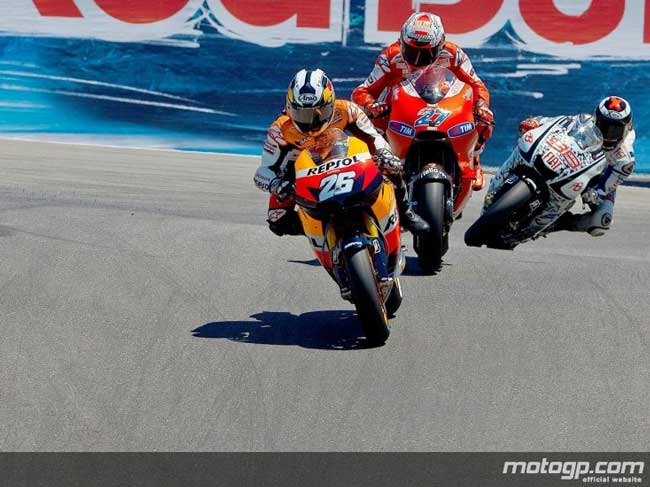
(377, 81)
(274, 154)
(462, 67)
(361, 127)
(621, 164)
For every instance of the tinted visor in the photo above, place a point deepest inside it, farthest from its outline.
(311, 119)
(613, 130)
(419, 56)
(613, 133)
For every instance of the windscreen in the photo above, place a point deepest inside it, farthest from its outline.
(433, 83)
(584, 131)
(331, 144)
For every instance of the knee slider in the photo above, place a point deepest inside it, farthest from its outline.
(599, 231)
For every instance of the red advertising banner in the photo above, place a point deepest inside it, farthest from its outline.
(574, 28)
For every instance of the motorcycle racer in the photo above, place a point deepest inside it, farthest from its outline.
(613, 117)
(422, 43)
(311, 108)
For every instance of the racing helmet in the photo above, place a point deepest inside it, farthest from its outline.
(421, 39)
(310, 101)
(614, 119)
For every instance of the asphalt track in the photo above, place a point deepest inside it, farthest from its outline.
(144, 305)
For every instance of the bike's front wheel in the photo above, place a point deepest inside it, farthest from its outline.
(367, 297)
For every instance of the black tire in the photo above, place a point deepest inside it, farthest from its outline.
(432, 197)
(485, 230)
(367, 297)
(394, 300)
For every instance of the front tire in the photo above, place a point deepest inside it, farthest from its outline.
(432, 199)
(486, 230)
(367, 297)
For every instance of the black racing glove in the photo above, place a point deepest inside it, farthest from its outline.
(387, 161)
(282, 188)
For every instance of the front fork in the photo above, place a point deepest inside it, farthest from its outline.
(370, 239)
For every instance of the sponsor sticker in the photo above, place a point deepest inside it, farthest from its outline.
(275, 215)
(307, 98)
(401, 128)
(460, 129)
(431, 117)
(334, 164)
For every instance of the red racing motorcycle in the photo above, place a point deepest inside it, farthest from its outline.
(431, 127)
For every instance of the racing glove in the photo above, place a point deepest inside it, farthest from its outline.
(592, 197)
(283, 189)
(376, 110)
(387, 161)
(483, 114)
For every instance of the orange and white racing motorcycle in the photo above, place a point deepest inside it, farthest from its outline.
(348, 211)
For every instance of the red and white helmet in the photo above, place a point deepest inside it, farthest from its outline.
(422, 38)
(614, 119)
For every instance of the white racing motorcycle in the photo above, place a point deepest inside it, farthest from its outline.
(547, 172)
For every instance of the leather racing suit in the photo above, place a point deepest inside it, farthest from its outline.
(390, 69)
(283, 145)
(601, 195)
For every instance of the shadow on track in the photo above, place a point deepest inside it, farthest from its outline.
(413, 268)
(312, 262)
(327, 330)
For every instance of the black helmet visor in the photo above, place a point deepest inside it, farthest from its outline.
(310, 119)
(419, 56)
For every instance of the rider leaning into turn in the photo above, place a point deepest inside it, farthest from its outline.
(422, 43)
(613, 116)
(312, 108)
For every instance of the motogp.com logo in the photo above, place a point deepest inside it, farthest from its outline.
(616, 471)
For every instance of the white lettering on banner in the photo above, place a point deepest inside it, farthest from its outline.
(570, 28)
(576, 29)
(266, 23)
(279, 22)
(105, 19)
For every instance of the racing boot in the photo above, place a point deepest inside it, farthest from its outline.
(282, 216)
(596, 222)
(565, 223)
(285, 222)
(568, 222)
(408, 218)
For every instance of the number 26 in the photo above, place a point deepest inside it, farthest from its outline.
(336, 184)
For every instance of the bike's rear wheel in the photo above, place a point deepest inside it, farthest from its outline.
(432, 199)
(367, 297)
(486, 230)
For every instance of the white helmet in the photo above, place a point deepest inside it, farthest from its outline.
(422, 38)
(310, 101)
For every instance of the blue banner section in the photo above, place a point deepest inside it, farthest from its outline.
(210, 91)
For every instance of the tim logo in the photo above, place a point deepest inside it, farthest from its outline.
(461, 129)
(401, 128)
